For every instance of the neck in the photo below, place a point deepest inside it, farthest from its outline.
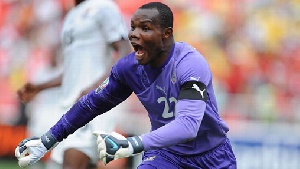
(163, 54)
(168, 47)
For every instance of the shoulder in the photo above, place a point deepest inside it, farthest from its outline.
(190, 64)
(125, 68)
(102, 4)
(186, 54)
(103, 9)
(126, 63)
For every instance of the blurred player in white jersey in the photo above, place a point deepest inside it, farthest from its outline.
(93, 31)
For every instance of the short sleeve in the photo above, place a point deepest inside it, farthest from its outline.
(193, 67)
(112, 23)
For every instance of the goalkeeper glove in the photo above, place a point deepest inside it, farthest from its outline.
(30, 150)
(114, 146)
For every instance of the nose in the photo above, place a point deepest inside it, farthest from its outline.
(133, 34)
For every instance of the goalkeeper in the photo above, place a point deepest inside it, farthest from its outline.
(173, 82)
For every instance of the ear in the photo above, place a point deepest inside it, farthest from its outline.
(168, 33)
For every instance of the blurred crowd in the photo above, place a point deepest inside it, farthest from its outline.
(252, 46)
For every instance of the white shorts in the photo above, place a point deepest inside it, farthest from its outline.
(84, 140)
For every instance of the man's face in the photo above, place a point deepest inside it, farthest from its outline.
(146, 37)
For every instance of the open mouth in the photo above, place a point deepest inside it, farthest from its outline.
(139, 51)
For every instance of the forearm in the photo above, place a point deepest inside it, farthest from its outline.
(81, 113)
(90, 106)
(50, 84)
(185, 125)
(75, 118)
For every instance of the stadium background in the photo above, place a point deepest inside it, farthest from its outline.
(253, 47)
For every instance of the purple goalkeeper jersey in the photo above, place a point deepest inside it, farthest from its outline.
(182, 126)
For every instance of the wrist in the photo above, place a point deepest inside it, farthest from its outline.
(135, 144)
(49, 140)
(41, 87)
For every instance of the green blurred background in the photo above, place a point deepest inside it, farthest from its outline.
(8, 164)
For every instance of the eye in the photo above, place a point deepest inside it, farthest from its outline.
(132, 28)
(146, 28)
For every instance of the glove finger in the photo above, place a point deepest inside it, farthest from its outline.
(103, 160)
(17, 152)
(100, 136)
(21, 151)
(102, 154)
(97, 133)
(33, 143)
(24, 161)
(121, 153)
(101, 146)
(100, 140)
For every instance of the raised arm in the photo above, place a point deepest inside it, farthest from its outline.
(28, 91)
(105, 97)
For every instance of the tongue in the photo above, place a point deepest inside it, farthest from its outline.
(140, 51)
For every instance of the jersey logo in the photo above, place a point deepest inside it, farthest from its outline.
(114, 145)
(102, 86)
(194, 79)
(47, 139)
(190, 89)
(173, 77)
(199, 90)
(150, 158)
(161, 89)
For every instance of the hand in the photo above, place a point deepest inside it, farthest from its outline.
(28, 92)
(114, 146)
(31, 150)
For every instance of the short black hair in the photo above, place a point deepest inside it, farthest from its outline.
(165, 13)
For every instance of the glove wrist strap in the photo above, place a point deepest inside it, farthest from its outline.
(136, 143)
(49, 141)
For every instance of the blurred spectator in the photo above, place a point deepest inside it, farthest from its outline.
(253, 48)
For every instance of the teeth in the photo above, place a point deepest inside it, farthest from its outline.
(139, 54)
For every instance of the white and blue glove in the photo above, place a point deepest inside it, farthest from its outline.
(31, 150)
(114, 146)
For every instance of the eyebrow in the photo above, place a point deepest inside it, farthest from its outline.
(145, 21)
